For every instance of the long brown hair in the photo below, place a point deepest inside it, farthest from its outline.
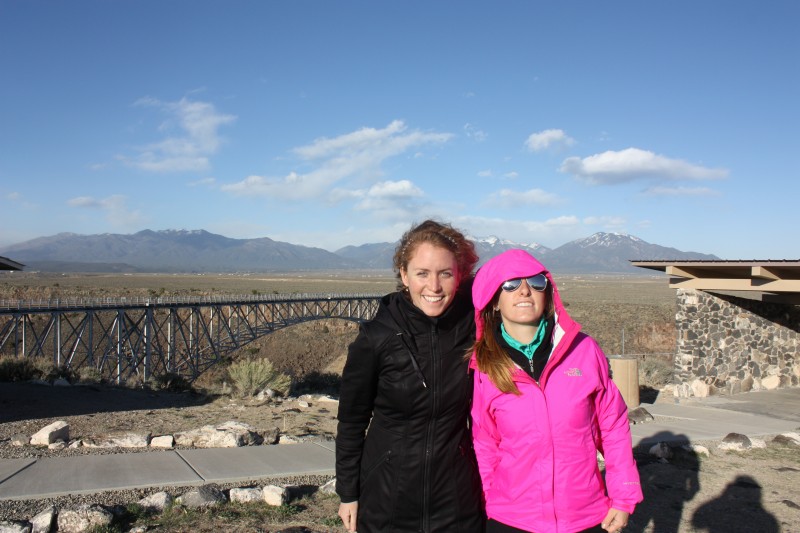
(491, 357)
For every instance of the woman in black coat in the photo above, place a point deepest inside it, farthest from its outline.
(406, 379)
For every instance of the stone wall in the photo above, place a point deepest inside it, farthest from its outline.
(728, 345)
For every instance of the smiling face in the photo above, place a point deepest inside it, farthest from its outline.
(432, 278)
(522, 308)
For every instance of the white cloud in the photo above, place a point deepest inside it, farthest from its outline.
(114, 207)
(474, 133)
(13, 196)
(197, 124)
(550, 232)
(355, 156)
(507, 198)
(633, 164)
(511, 175)
(389, 201)
(543, 140)
(210, 182)
(681, 191)
(606, 221)
(485, 173)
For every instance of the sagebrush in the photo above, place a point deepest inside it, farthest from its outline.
(250, 376)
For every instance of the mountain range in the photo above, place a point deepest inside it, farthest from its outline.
(201, 251)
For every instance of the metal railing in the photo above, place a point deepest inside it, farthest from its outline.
(143, 337)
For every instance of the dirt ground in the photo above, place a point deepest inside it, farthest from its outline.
(752, 491)
(756, 490)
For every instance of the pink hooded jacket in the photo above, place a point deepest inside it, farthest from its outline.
(537, 451)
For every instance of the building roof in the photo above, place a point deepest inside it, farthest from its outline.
(765, 280)
(8, 264)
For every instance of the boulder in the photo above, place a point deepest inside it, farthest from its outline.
(163, 441)
(661, 450)
(84, 518)
(329, 487)
(58, 430)
(43, 522)
(640, 415)
(736, 442)
(787, 438)
(156, 502)
(119, 440)
(275, 495)
(229, 434)
(205, 496)
(246, 495)
(14, 526)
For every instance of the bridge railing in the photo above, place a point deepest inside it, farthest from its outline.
(142, 337)
(147, 301)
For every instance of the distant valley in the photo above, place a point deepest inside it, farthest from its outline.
(201, 251)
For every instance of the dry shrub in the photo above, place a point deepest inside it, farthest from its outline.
(19, 369)
(89, 374)
(249, 376)
(655, 372)
(655, 338)
(170, 381)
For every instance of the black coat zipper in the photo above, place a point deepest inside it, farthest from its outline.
(431, 429)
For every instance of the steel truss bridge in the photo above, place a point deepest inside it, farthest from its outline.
(140, 338)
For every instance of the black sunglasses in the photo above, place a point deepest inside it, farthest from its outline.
(537, 283)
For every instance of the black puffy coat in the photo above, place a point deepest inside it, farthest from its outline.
(407, 379)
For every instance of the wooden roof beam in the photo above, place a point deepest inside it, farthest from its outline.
(727, 284)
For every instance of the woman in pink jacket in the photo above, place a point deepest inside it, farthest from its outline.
(543, 406)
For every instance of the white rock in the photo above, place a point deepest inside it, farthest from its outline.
(156, 502)
(275, 495)
(202, 497)
(771, 382)
(329, 487)
(58, 430)
(57, 445)
(304, 404)
(164, 441)
(76, 444)
(14, 527)
(286, 439)
(661, 450)
(43, 522)
(229, 434)
(246, 495)
(83, 518)
(697, 449)
(325, 398)
(700, 388)
(121, 440)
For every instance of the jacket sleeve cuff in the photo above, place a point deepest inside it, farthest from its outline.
(623, 506)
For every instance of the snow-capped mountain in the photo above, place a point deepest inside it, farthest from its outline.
(201, 251)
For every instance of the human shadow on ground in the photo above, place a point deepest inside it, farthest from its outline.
(29, 401)
(738, 508)
(666, 484)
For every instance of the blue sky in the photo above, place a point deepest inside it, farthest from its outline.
(331, 123)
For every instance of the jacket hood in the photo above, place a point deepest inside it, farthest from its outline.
(508, 265)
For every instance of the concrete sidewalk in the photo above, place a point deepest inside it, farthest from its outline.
(753, 414)
(25, 479)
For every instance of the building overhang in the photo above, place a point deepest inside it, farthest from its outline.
(8, 264)
(766, 281)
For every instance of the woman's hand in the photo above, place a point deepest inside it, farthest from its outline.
(349, 511)
(615, 520)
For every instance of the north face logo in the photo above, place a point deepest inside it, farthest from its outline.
(573, 372)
